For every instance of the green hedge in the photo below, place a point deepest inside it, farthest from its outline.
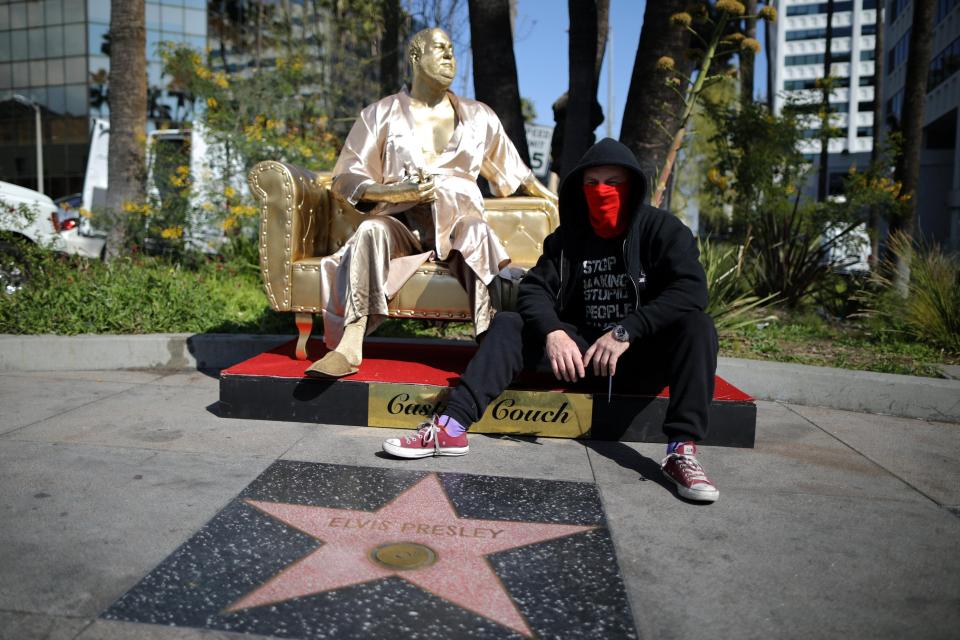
(69, 296)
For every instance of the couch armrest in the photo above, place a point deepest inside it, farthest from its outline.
(522, 223)
(294, 206)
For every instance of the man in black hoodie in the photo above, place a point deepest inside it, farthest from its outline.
(619, 289)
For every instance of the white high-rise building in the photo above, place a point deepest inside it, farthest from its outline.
(799, 46)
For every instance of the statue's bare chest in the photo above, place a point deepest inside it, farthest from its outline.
(433, 127)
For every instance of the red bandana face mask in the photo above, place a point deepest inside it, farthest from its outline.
(605, 204)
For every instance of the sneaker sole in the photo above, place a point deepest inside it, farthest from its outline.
(410, 454)
(690, 494)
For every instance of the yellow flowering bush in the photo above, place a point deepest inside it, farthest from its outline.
(715, 37)
(263, 114)
(170, 233)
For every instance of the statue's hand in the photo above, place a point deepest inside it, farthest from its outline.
(532, 186)
(414, 192)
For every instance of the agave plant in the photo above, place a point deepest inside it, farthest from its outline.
(730, 302)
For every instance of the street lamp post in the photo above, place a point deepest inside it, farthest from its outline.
(27, 102)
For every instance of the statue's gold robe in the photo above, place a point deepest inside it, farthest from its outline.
(382, 148)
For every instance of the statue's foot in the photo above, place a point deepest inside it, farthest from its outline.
(332, 365)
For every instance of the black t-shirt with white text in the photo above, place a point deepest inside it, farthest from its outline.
(605, 289)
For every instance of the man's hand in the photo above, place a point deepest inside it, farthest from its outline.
(604, 354)
(417, 193)
(564, 356)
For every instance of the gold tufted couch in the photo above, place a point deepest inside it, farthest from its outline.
(301, 221)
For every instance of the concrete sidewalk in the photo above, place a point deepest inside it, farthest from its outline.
(882, 393)
(838, 525)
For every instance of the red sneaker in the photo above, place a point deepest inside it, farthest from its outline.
(429, 440)
(682, 469)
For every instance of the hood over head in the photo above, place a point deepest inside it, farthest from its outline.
(607, 151)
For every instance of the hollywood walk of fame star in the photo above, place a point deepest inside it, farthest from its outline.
(418, 537)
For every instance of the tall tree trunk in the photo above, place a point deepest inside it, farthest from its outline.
(578, 135)
(581, 12)
(914, 101)
(873, 222)
(649, 100)
(603, 31)
(746, 56)
(128, 113)
(823, 182)
(258, 37)
(768, 35)
(495, 67)
(588, 20)
(390, 48)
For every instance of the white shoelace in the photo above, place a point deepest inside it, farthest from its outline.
(426, 433)
(690, 468)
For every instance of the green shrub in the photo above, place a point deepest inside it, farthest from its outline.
(931, 310)
(730, 302)
(68, 295)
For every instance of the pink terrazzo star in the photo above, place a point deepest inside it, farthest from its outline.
(422, 515)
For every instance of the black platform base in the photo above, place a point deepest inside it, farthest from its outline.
(398, 387)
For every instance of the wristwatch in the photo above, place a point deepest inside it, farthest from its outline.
(620, 334)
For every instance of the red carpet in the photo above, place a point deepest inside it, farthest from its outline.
(418, 363)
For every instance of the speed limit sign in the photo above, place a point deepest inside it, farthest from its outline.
(538, 142)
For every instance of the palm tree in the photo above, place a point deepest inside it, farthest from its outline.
(823, 182)
(747, 56)
(588, 38)
(653, 108)
(768, 36)
(128, 112)
(390, 48)
(914, 101)
(907, 171)
(495, 67)
(873, 222)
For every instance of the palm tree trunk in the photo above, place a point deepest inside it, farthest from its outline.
(747, 56)
(588, 19)
(914, 101)
(128, 113)
(873, 222)
(258, 36)
(769, 34)
(495, 67)
(390, 48)
(603, 31)
(823, 184)
(653, 108)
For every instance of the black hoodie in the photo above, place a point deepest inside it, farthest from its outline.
(660, 253)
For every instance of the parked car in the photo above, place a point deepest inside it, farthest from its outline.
(69, 207)
(29, 216)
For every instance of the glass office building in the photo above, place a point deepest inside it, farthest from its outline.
(54, 53)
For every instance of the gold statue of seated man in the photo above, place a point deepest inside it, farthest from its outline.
(411, 163)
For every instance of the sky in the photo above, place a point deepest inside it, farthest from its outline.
(540, 46)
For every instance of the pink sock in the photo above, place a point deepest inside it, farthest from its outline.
(451, 426)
